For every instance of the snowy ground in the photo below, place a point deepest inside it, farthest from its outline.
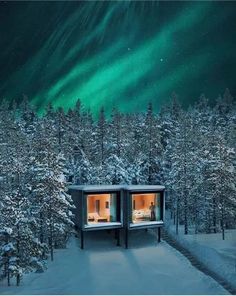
(102, 268)
(219, 255)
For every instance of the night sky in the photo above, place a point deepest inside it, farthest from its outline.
(123, 53)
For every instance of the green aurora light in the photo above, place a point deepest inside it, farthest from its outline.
(122, 54)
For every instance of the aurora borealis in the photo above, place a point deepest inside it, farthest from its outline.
(116, 53)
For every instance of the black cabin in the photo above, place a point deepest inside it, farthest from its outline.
(119, 207)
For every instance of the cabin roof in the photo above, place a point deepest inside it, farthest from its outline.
(96, 188)
(144, 187)
(102, 188)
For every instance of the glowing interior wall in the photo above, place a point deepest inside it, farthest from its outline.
(102, 208)
(146, 207)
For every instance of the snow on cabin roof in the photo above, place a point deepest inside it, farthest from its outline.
(103, 188)
(96, 187)
(144, 187)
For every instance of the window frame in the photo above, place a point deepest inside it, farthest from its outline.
(148, 223)
(119, 212)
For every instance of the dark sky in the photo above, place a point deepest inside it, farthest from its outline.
(116, 53)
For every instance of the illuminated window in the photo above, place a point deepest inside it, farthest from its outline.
(146, 207)
(103, 208)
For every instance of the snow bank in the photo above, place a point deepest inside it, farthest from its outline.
(219, 255)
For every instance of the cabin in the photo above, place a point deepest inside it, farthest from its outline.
(121, 208)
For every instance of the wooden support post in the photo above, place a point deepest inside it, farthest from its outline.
(159, 234)
(126, 238)
(118, 237)
(81, 239)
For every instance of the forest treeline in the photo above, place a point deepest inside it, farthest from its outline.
(191, 152)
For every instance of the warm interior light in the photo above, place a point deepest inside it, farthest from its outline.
(101, 208)
(145, 207)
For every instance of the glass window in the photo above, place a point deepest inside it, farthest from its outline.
(146, 207)
(102, 208)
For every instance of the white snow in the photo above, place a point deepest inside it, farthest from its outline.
(6, 230)
(98, 188)
(61, 178)
(218, 254)
(101, 224)
(144, 187)
(103, 268)
(117, 187)
(144, 223)
(8, 247)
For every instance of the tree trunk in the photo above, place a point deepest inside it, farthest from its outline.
(51, 243)
(8, 276)
(223, 222)
(18, 280)
(177, 217)
(214, 214)
(51, 239)
(196, 222)
(185, 213)
(41, 228)
(18, 251)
